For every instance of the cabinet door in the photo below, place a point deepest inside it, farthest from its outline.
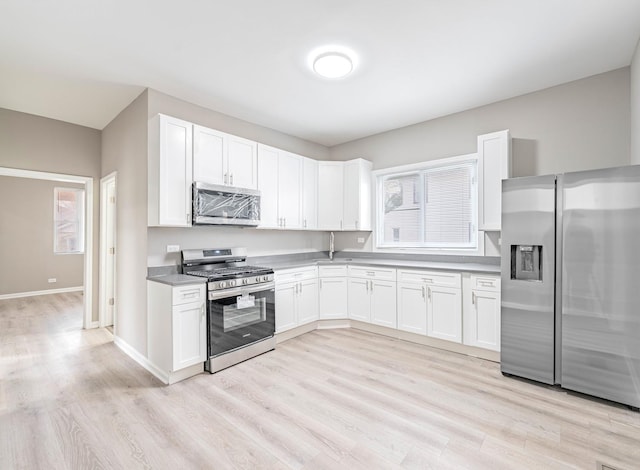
(332, 294)
(359, 300)
(412, 308)
(286, 307)
(307, 301)
(494, 165)
(289, 190)
(485, 321)
(444, 313)
(330, 195)
(242, 162)
(175, 172)
(268, 186)
(208, 155)
(383, 303)
(309, 194)
(189, 335)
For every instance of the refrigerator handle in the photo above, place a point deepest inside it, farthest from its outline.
(558, 283)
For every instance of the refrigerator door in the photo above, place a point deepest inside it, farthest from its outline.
(528, 277)
(601, 283)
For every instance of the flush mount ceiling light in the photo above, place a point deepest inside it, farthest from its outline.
(332, 62)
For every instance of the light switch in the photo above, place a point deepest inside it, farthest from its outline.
(52, 280)
(360, 239)
(173, 248)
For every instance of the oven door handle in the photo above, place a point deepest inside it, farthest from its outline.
(226, 293)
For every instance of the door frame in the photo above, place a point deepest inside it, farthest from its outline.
(104, 249)
(87, 181)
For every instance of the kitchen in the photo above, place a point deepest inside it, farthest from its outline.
(537, 122)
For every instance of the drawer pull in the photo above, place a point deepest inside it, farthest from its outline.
(427, 279)
(371, 273)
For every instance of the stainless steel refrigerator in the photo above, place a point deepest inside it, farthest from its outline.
(571, 281)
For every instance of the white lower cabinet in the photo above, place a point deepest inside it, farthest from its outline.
(176, 329)
(430, 303)
(482, 313)
(372, 295)
(296, 297)
(332, 292)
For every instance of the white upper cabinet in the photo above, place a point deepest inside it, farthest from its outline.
(170, 172)
(494, 165)
(357, 195)
(309, 193)
(280, 184)
(330, 195)
(220, 158)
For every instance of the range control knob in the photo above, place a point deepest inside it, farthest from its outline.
(231, 283)
(265, 278)
(245, 281)
(257, 278)
(222, 285)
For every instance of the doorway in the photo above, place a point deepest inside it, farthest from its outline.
(87, 181)
(107, 309)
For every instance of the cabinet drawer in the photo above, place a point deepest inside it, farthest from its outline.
(187, 294)
(490, 283)
(431, 278)
(332, 271)
(372, 273)
(296, 274)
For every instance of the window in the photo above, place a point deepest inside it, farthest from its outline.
(434, 205)
(68, 220)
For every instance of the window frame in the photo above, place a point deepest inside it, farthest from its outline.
(379, 176)
(80, 220)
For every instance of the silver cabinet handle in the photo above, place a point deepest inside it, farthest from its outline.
(231, 179)
(225, 178)
(473, 298)
(341, 225)
(304, 224)
(284, 221)
(320, 283)
(371, 285)
(429, 292)
(356, 224)
(423, 294)
(371, 273)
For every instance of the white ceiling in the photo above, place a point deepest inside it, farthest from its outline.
(83, 61)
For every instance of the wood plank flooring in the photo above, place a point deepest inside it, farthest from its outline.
(330, 399)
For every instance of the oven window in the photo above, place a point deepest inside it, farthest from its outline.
(247, 310)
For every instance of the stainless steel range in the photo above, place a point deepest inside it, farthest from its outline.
(240, 305)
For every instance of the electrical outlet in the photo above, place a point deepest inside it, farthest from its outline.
(360, 239)
(52, 280)
(173, 248)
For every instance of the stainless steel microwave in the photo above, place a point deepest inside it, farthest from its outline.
(225, 205)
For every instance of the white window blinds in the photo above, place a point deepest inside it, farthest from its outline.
(433, 207)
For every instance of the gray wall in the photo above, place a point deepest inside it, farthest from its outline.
(35, 143)
(580, 125)
(635, 106)
(124, 149)
(26, 239)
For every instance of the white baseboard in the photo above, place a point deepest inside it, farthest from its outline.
(140, 359)
(41, 292)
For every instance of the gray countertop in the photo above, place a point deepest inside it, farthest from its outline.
(177, 279)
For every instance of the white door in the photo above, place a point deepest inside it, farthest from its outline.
(307, 301)
(110, 260)
(208, 155)
(383, 303)
(359, 299)
(268, 186)
(189, 335)
(309, 194)
(330, 195)
(444, 315)
(289, 190)
(412, 308)
(285, 306)
(486, 309)
(332, 293)
(176, 147)
(242, 162)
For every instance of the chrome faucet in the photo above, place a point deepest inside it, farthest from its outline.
(331, 247)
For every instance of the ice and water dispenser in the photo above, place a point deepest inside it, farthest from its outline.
(526, 262)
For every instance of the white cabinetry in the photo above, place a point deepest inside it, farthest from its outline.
(331, 195)
(220, 158)
(176, 330)
(296, 297)
(432, 300)
(494, 165)
(170, 172)
(333, 292)
(372, 295)
(482, 313)
(309, 193)
(280, 183)
(357, 195)
(346, 195)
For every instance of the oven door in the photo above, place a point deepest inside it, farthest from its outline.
(238, 317)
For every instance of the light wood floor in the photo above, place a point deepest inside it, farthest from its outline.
(331, 399)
